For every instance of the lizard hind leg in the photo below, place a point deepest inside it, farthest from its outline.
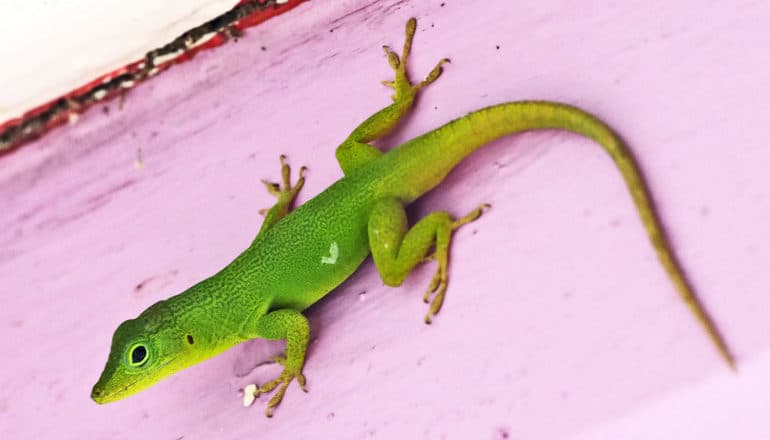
(355, 152)
(403, 87)
(397, 249)
(438, 284)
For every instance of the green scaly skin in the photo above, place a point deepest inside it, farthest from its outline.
(302, 255)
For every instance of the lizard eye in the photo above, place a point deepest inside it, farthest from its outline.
(137, 355)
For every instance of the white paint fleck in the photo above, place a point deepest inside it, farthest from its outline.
(100, 94)
(127, 84)
(334, 253)
(281, 2)
(249, 395)
(73, 117)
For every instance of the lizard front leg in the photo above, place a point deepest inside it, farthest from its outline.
(397, 249)
(355, 151)
(286, 194)
(292, 326)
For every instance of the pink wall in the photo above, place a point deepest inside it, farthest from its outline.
(558, 321)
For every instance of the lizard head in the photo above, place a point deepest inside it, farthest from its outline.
(144, 350)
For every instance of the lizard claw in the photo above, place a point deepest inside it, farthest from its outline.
(282, 383)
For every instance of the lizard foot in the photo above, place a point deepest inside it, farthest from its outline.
(285, 192)
(282, 383)
(471, 216)
(403, 87)
(438, 284)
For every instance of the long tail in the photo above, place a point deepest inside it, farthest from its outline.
(464, 135)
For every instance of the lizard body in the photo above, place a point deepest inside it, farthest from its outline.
(300, 256)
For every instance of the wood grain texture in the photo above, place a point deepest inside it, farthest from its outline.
(558, 322)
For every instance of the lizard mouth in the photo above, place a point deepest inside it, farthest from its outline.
(102, 395)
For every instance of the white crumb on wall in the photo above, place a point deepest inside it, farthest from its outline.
(249, 395)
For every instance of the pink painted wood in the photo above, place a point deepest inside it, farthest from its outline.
(559, 321)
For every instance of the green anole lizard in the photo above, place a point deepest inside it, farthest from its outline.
(300, 256)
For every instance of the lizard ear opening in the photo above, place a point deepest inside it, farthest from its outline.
(190, 340)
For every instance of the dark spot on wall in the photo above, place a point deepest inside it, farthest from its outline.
(190, 340)
(154, 283)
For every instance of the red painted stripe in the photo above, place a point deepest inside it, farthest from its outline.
(40, 120)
